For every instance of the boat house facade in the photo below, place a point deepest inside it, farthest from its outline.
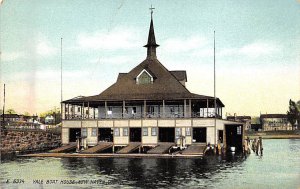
(149, 105)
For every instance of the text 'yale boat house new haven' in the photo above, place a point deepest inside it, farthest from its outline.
(145, 109)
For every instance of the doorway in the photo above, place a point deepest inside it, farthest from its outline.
(105, 134)
(166, 134)
(199, 134)
(234, 136)
(74, 133)
(220, 136)
(135, 135)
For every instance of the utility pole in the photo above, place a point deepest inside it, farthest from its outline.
(3, 107)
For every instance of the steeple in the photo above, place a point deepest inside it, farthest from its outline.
(151, 45)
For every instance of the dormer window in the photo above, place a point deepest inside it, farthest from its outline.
(144, 78)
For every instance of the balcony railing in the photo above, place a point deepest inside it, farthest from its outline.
(148, 115)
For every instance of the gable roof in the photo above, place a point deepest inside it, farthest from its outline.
(165, 87)
(180, 75)
(166, 84)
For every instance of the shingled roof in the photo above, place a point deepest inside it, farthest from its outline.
(165, 86)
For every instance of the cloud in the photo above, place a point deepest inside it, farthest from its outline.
(258, 48)
(11, 56)
(184, 44)
(118, 38)
(253, 50)
(45, 48)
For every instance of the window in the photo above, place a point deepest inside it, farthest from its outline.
(117, 132)
(133, 110)
(145, 131)
(84, 132)
(109, 111)
(78, 109)
(188, 131)
(239, 130)
(150, 110)
(125, 131)
(87, 112)
(177, 131)
(144, 78)
(153, 131)
(94, 132)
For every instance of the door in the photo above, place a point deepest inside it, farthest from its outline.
(199, 134)
(135, 135)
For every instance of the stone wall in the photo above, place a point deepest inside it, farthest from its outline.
(28, 140)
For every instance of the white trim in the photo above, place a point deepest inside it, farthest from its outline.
(144, 70)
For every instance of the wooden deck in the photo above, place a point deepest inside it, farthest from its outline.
(65, 148)
(98, 148)
(161, 148)
(129, 148)
(194, 149)
(108, 155)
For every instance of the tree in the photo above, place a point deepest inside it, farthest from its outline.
(26, 114)
(293, 115)
(10, 111)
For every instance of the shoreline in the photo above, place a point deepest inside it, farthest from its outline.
(274, 134)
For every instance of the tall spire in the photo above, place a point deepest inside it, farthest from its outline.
(151, 45)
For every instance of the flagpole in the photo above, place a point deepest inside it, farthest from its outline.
(61, 78)
(3, 105)
(61, 84)
(215, 100)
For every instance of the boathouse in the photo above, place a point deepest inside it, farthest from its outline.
(148, 108)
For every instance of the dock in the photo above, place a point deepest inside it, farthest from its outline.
(132, 146)
(194, 149)
(65, 148)
(161, 148)
(101, 146)
(108, 155)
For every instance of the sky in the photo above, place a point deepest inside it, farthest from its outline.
(257, 49)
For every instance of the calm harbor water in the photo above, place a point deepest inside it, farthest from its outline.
(279, 167)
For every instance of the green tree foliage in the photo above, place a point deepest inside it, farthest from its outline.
(26, 114)
(10, 111)
(293, 114)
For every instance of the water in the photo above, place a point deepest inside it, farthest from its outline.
(279, 167)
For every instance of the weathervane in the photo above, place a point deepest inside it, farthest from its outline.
(151, 9)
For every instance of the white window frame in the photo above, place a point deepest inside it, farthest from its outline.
(116, 131)
(137, 77)
(177, 131)
(188, 131)
(125, 131)
(84, 132)
(94, 132)
(153, 131)
(145, 131)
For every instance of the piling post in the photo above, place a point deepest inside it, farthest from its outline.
(261, 146)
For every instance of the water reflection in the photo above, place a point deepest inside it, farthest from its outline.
(144, 172)
(280, 160)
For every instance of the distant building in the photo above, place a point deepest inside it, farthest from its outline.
(243, 119)
(11, 117)
(49, 119)
(29, 119)
(275, 122)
